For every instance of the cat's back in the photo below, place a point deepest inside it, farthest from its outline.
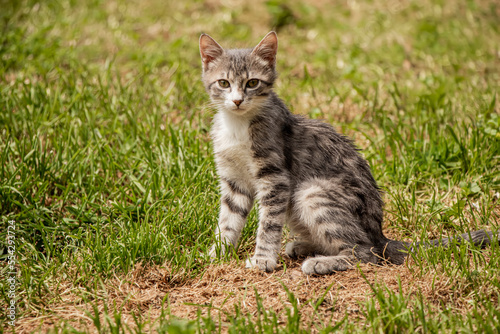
(319, 149)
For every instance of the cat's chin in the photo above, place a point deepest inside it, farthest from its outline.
(238, 111)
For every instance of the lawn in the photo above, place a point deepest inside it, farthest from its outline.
(108, 188)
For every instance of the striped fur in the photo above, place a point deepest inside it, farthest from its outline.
(302, 172)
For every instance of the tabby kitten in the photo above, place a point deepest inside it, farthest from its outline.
(301, 171)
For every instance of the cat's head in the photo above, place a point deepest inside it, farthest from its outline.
(239, 80)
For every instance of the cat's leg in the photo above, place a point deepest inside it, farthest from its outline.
(236, 203)
(303, 245)
(274, 197)
(301, 248)
(346, 259)
(329, 214)
(327, 217)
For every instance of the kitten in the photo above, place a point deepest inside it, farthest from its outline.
(301, 171)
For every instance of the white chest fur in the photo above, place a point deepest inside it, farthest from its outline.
(232, 147)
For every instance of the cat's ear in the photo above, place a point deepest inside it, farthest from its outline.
(267, 48)
(209, 50)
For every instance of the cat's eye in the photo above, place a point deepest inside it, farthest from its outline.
(224, 83)
(252, 83)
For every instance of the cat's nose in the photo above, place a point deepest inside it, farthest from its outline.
(237, 102)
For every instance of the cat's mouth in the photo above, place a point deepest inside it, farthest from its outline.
(239, 110)
(243, 108)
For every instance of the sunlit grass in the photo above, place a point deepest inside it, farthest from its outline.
(105, 157)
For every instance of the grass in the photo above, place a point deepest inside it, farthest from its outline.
(107, 171)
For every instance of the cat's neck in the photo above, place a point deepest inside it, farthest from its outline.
(229, 128)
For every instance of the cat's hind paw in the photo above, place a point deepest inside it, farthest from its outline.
(323, 265)
(263, 263)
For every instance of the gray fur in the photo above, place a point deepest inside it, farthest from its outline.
(301, 171)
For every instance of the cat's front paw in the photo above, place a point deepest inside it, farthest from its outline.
(263, 263)
(300, 248)
(216, 252)
(290, 250)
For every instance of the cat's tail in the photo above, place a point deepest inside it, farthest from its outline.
(396, 251)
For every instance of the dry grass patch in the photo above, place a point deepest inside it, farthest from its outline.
(321, 300)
